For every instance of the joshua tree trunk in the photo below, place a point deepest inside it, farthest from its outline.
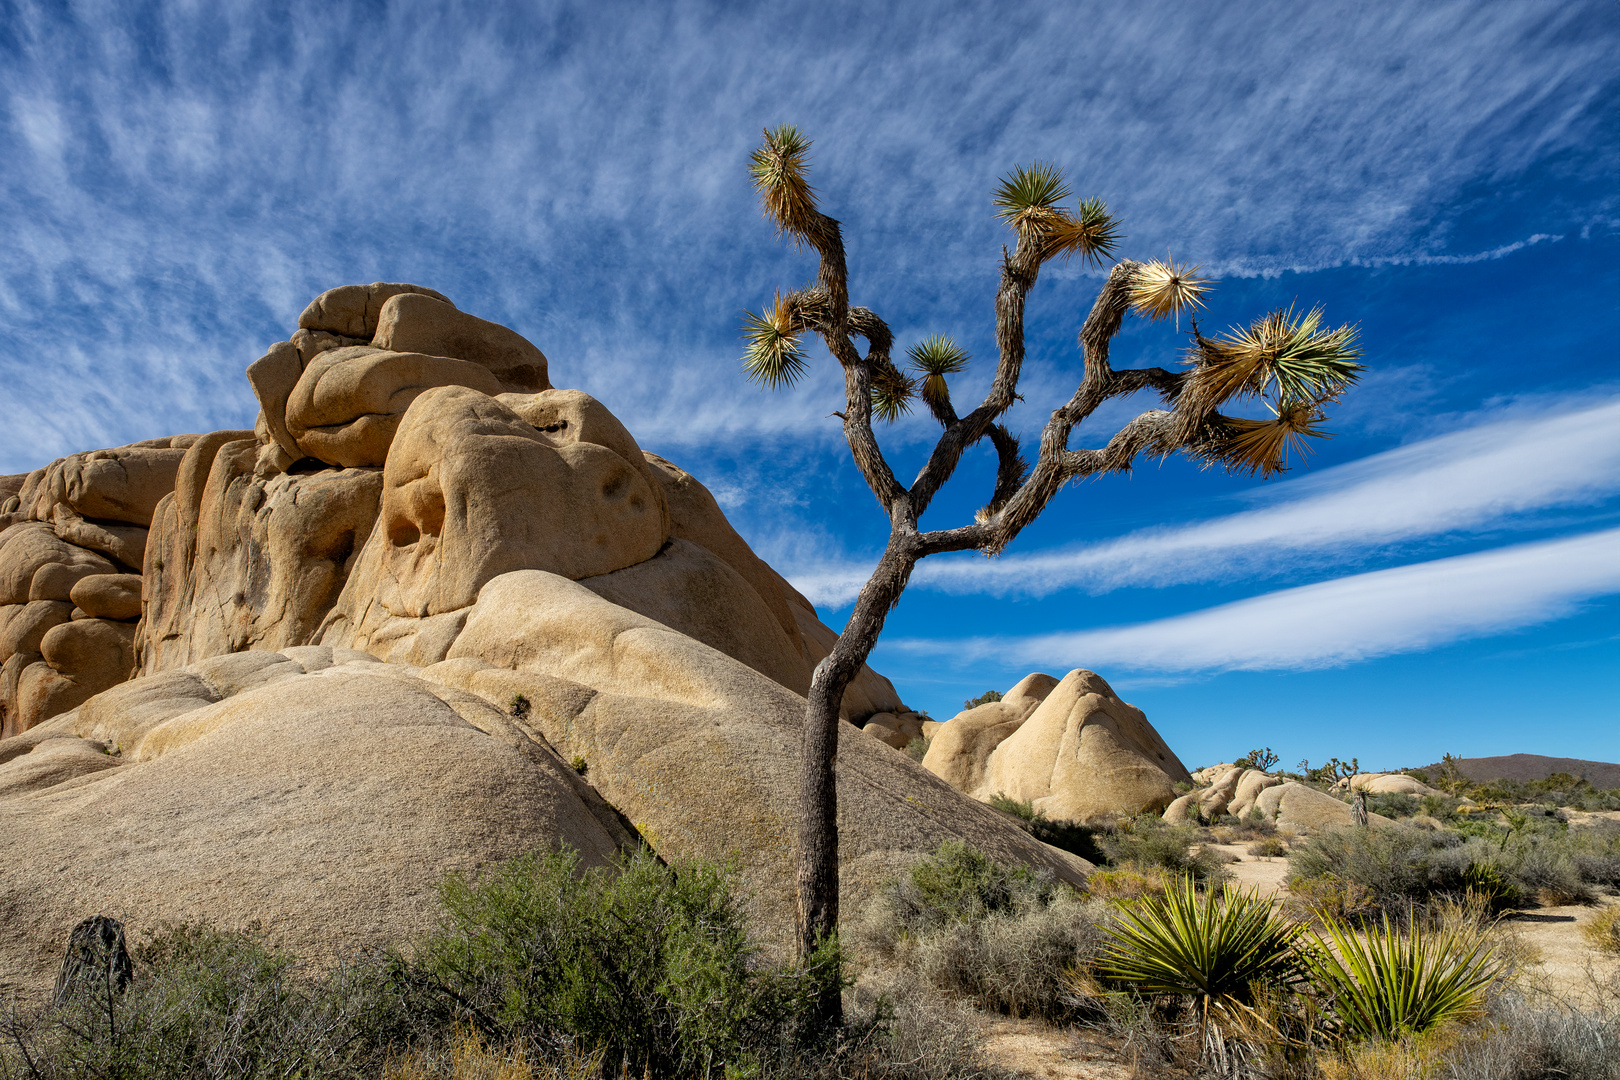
(1289, 359)
(818, 785)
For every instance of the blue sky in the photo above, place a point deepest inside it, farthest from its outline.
(178, 180)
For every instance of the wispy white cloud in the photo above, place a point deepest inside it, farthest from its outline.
(182, 173)
(1564, 453)
(1350, 619)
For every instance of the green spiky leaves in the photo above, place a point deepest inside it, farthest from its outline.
(936, 357)
(1026, 193)
(892, 393)
(1028, 200)
(773, 357)
(1286, 352)
(1288, 358)
(778, 170)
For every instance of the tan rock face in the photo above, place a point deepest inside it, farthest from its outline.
(118, 485)
(349, 402)
(415, 323)
(472, 491)
(324, 806)
(701, 751)
(1084, 753)
(241, 561)
(354, 310)
(36, 564)
(108, 596)
(1390, 784)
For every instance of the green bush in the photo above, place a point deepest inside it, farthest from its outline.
(205, 1003)
(1395, 867)
(1395, 805)
(1012, 963)
(651, 964)
(966, 926)
(983, 699)
(1149, 842)
(1070, 836)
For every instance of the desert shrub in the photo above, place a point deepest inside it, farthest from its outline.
(958, 883)
(983, 699)
(1148, 841)
(1388, 982)
(1521, 1040)
(1126, 883)
(211, 1004)
(1395, 805)
(651, 964)
(1012, 963)
(1219, 948)
(1271, 847)
(917, 749)
(969, 927)
(1596, 852)
(1392, 868)
(1070, 836)
(1603, 932)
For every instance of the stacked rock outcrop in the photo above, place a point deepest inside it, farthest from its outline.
(1240, 792)
(369, 630)
(1070, 747)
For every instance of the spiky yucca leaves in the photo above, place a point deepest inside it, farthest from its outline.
(1291, 353)
(1028, 199)
(1389, 983)
(1162, 289)
(937, 357)
(773, 356)
(778, 171)
(1218, 948)
(1263, 446)
(892, 393)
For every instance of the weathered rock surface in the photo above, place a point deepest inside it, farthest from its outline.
(1391, 784)
(414, 322)
(1069, 747)
(336, 613)
(108, 596)
(322, 797)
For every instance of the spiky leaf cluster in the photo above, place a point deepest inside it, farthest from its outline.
(1288, 358)
(892, 393)
(773, 356)
(1028, 200)
(778, 170)
(936, 357)
(1162, 289)
(1220, 947)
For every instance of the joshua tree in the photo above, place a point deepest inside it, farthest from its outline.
(1288, 360)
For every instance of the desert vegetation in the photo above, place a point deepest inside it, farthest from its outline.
(1389, 960)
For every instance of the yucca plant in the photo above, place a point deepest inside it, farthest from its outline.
(1289, 361)
(1219, 948)
(1389, 982)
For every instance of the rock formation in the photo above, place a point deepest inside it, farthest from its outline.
(1072, 748)
(428, 613)
(1239, 792)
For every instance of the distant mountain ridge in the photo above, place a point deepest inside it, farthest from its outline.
(1601, 774)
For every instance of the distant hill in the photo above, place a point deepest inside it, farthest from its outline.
(1601, 774)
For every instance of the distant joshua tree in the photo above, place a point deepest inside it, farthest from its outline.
(1288, 360)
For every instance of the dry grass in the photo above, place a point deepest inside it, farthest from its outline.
(469, 1057)
(1603, 932)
